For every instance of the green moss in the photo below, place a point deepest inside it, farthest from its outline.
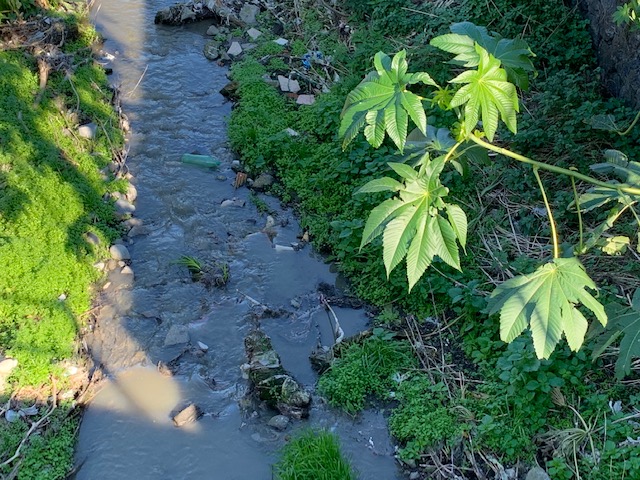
(51, 196)
(365, 369)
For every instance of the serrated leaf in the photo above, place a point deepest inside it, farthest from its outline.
(374, 130)
(396, 123)
(458, 220)
(413, 227)
(420, 254)
(487, 92)
(379, 215)
(405, 171)
(382, 99)
(545, 301)
(396, 237)
(514, 55)
(384, 184)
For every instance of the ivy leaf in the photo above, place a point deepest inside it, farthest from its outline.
(383, 103)
(488, 93)
(547, 302)
(514, 55)
(623, 322)
(412, 225)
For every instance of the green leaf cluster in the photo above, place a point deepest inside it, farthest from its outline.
(411, 223)
(546, 301)
(382, 104)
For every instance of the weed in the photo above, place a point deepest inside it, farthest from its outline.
(365, 369)
(194, 266)
(313, 455)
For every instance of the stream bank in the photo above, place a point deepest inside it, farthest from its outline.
(152, 313)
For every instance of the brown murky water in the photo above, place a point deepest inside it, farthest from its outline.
(170, 93)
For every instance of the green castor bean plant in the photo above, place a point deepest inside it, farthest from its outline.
(418, 223)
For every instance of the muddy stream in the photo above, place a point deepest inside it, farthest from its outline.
(170, 94)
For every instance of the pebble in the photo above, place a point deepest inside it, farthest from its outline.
(187, 415)
(99, 265)
(88, 130)
(270, 222)
(306, 99)
(119, 252)
(213, 30)
(253, 33)
(106, 286)
(281, 41)
(279, 422)
(127, 270)
(414, 476)
(236, 202)
(537, 473)
(203, 346)
(121, 263)
(132, 191)
(288, 85)
(123, 207)
(234, 50)
(7, 365)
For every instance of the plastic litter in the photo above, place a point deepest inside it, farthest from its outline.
(201, 160)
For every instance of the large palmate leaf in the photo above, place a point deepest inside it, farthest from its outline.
(486, 94)
(514, 55)
(623, 322)
(411, 224)
(547, 301)
(382, 104)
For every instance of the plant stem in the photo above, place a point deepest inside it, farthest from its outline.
(553, 168)
(451, 151)
(635, 120)
(554, 232)
(575, 195)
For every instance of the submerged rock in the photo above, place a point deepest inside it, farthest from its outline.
(211, 50)
(176, 335)
(271, 381)
(279, 422)
(187, 415)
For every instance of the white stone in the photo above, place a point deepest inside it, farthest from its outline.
(127, 270)
(281, 41)
(119, 252)
(291, 132)
(306, 99)
(88, 130)
(253, 33)
(213, 30)
(124, 207)
(234, 50)
(288, 85)
(537, 473)
(248, 13)
(203, 346)
(132, 192)
(7, 365)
